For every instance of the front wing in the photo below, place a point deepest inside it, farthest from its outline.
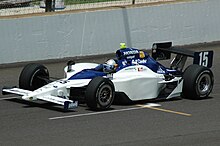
(31, 96)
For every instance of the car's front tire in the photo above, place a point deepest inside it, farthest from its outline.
(99, 93)
(31, 77)
(197, 82)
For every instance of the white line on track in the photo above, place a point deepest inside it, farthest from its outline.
(104, 112)
(95, 113)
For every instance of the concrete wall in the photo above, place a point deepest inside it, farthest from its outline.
(99, 32)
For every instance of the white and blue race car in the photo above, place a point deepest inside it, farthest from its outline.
(132, 76)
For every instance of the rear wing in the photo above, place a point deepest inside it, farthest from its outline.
(162, 51)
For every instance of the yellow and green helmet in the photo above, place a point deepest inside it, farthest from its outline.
(123, 46)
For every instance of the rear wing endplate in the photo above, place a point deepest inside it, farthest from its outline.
(162, 51)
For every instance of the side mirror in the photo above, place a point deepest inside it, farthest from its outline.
(69, 64)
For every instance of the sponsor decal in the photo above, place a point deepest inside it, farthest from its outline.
(110, 76)
(160, 71)
(63, 81)
(140, 69)
(135, 69)
(133, 52)
(124, 63)
(139, 61)
(131, 57)
(73, 105)
(130, 68)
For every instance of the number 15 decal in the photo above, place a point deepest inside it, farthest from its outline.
(203, 58)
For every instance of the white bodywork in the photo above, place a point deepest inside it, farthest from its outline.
(137, 82)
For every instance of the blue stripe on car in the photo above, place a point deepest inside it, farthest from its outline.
(87, 74)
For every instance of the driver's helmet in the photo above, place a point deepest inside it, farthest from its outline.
(111, 62)
(123, 46)
(110, 65)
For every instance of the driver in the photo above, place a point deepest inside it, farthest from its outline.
(109, 66)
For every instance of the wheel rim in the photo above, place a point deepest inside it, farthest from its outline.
(204, 84)
(105, 95)
(35, 82)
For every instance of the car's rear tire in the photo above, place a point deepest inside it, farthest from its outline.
(99, 93)
(31, 77)
(197, 82)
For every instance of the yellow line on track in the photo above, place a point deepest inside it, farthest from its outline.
(165, 110)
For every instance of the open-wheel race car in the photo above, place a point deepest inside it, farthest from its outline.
(133, 74)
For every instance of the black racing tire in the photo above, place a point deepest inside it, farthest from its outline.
(29, 78)
(100, 93)
(198, 82)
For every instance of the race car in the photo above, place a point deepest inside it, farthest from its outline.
(133, 74)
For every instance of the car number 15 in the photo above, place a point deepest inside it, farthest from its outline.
(203, 58)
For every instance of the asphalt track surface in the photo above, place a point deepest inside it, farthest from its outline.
(180, 122)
